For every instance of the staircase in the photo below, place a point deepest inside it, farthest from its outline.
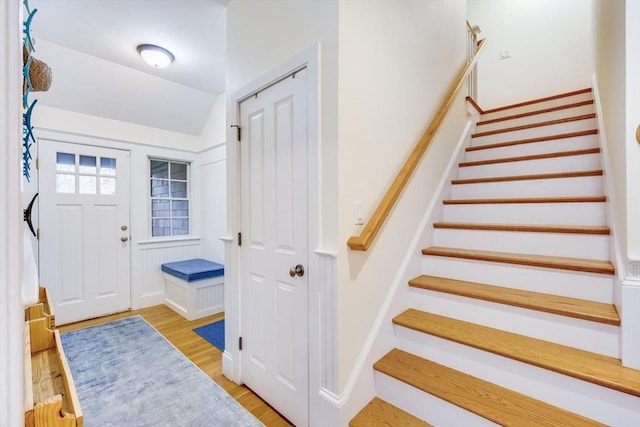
(512, 321)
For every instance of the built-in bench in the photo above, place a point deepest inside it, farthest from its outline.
(194, 288)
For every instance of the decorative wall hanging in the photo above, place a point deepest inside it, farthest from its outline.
(36, 78)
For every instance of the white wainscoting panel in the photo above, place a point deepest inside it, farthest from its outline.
(147, 275)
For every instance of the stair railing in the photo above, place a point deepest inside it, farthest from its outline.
(363, 241)
(472, 48)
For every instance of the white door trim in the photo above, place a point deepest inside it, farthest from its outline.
(321, 324)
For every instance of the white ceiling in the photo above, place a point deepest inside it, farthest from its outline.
(107, 32)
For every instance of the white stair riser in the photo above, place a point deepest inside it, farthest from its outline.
(537, 118)
(530, 213)
(543, 147)
(579, 186)
(589, 400)
(539, 106)
(574, 284)
(548, 165)
(583, 334)
(548, 130)
(425, 406)
(551, 244)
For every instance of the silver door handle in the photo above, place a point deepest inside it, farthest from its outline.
(124, 238)
(298, 270)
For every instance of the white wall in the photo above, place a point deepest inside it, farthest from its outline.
(610, 60)
(11, 310)
(550, 44)
(397, 60)
(617, 42)
(262, 34)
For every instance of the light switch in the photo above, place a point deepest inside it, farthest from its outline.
(357, 213)
(504, 54)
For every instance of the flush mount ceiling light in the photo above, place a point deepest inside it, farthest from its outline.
(155, 56)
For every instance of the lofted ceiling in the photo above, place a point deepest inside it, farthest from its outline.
(91, 48)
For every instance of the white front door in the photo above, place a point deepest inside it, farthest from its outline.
(273, 222)
(84, 229)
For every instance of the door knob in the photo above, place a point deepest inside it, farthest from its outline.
(124, 238)
(298, 270)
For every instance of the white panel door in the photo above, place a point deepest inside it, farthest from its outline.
(84, 229)
(273, 222)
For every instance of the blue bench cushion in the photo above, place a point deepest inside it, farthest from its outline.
(193, 269)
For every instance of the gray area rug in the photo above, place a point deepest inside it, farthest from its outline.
(128, 375)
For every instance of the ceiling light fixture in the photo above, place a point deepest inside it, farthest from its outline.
(155, 56)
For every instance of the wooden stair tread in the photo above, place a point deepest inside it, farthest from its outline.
(534, 228)
(495, 403)
(508, 200)
(538, 100)
(562, 263)
(555, 175)
(536, 112)
(564, 306)
(533, 140)
(380, 413)
(535, 125)
(592, 367)
(552, 155)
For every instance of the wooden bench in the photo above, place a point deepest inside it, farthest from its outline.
(50, 397)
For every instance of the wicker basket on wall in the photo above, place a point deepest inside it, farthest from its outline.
(39, 73)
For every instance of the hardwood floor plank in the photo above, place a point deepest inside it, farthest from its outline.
(563, 263)
(495, 403)
(535, 125)
(505, 200)
(536, 112)
(547, 138)
(538, 100)
(532, 228)
(564, 306)
(592, 367)
(553, 155)
(379, 413)
(528, 177)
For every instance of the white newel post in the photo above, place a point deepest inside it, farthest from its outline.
(11, 311)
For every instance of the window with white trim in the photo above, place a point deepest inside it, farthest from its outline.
(169, 190)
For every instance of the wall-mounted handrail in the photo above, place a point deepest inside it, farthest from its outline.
(363, 241)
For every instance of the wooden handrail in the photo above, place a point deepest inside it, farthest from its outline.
(363, 241)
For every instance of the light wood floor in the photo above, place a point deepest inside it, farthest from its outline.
(179, 332)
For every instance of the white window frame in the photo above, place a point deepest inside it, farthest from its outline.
(189, 216)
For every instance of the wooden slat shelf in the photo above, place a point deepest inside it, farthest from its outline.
(563, 306)
(591, 367)
(531, 157)
(529, 177)
(533, 140)
(50, 395)
(380, 413)
(539, 100)
(495, 403)
(536, 112)
(530, 228)
(535, 125)
(562, 263)
(41, 309)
